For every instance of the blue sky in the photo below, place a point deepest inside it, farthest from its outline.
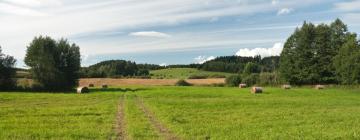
(166, 31)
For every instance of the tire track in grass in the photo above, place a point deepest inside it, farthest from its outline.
(161, 128)
(120, 120)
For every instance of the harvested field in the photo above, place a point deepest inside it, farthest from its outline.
(146, 82)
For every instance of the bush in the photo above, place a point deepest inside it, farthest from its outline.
(233, 80)
(182, 83)
(251, 79)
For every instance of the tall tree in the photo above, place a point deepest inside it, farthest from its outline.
(347, 62)
(308, 54)
(54, 65)
(7, 71)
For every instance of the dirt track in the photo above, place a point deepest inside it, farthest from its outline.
(146, 82)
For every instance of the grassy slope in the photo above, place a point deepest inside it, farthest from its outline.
(189, 112)
(182, 73)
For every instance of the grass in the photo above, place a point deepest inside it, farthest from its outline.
(57, 116)
(185, 73)
(189, 112)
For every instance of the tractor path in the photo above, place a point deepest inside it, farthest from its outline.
(161, 128)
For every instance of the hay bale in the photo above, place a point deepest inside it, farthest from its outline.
(91, 85)
(81, 90)
(286, 86)
(104, 86)
(242, 86)
(319, 87)
(256, 90)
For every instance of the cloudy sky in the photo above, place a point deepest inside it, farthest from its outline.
(165, 31)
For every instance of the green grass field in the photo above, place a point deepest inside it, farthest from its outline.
(183, 113)
(185, 73)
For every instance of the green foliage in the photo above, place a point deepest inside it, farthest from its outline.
(7, 71)
(113, 69)
(54, 65)
(182, 83)
(236, 64)
(347, 62)
(233, 81)
(251, 68)
(269, 79)
(307, 57)
(251, 79)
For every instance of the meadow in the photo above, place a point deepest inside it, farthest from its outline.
(166, 112)
(186, 73)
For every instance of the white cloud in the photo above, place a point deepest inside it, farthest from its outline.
(275, 2)
(35, 3)
(150, 34)
(284, 11)
(20, 11)
(203, 59)
(348, 6)
(264, 52)
(163, 64)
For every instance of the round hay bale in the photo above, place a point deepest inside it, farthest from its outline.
(91, 85)
(104, 86)
(242, 86)
(319, 87)
(256, 90)
(81, 90)
(286, 86)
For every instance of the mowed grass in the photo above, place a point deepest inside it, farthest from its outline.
(57, 116)
(188, 112)
(230, 113)
(185, 73)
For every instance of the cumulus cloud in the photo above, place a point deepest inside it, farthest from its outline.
(203, 59)
(263, 52)
(284, 11)
(150, 34)
(163, 64)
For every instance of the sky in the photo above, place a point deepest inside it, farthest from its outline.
(166, 31)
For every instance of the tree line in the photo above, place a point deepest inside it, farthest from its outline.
(115, 69)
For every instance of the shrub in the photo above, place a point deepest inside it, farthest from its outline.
(251, 79)
(182, 83)
(233, 80)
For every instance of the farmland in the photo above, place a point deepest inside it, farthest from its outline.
(182, 113)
